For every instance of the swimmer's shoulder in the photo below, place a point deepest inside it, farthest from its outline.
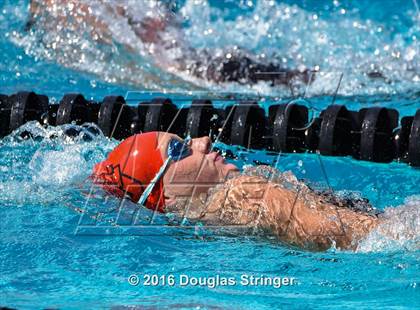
(250, 186)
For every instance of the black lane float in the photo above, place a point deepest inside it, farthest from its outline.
(371, 134)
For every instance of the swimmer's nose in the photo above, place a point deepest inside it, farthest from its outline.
(202, 145)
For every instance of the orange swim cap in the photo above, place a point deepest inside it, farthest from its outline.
(130, 167)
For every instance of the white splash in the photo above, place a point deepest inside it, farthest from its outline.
(370, 57)
(400, 229)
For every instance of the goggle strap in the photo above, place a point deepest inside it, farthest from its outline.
(152, 183)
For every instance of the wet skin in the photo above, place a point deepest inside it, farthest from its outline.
(300, 218)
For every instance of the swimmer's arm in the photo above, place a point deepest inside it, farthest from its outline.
(74, 14)
(254, 202)
(71, 14)
(297, 219)
(310, 222)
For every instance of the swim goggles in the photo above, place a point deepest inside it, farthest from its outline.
(176, 151)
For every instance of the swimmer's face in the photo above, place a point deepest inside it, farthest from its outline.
(196, 173)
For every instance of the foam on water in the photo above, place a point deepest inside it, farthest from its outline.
(338, 41)
(400, 229)
(42, 165)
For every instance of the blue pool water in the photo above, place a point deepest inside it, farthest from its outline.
(45, 263)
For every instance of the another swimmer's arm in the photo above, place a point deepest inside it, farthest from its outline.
(71, 14)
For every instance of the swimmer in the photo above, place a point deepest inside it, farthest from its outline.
(159, 34)
(185, 177)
